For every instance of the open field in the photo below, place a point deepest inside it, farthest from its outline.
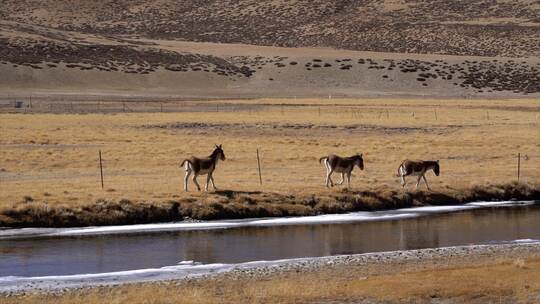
(482, 274)
(49, 173)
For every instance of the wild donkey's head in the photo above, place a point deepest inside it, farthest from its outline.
(359, 161)
(218, 153)
(436, 168)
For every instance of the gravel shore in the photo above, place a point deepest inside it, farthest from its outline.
(447, 255)
(407, 259)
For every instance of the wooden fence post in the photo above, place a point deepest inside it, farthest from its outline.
(259, 166)
(101, 169)
(519, 166)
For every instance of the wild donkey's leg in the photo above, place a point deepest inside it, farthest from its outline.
(328, 174)
(212, 180)
(342, 179)
(418, 181)
(425, 181)
(195, 181)
(329, 182)
(402, 175)
(188, 173)
(349, 179)
(208, 177)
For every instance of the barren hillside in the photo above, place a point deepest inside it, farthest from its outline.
(467, 27)
(248, 48)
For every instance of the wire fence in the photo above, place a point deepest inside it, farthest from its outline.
(517, 167)
(66, 107)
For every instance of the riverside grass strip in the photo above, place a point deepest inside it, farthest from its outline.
(236, 205)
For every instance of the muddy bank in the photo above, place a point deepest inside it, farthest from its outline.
(229, 204)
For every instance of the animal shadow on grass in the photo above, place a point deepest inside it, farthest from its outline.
(233, 193)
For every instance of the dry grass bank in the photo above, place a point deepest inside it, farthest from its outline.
(235, 205)
(49, 167)
(465, 280)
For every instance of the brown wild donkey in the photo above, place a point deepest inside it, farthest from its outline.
(417, 168)
(343, 165)
(202, 166)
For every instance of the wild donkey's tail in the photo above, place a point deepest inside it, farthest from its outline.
(183, 162)
(399, 170)
(322, 158)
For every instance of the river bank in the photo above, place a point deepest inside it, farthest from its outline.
(240, 205)
(477, 273)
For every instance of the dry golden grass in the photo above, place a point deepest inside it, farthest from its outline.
(491, 280)
(52, 160)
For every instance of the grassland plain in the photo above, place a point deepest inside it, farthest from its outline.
(49, 172)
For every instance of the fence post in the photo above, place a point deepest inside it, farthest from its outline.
(519, 166)
(259, 166)
(101, 169)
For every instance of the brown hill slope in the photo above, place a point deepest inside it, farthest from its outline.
(36, 59)
(470, 27)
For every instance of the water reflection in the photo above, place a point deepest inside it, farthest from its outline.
(95, 254)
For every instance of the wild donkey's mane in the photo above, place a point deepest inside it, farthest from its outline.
(215, 153)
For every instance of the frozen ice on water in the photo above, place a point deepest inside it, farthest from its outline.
(228, 224)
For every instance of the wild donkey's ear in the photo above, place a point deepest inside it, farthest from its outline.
(361, 154)
(220, 145)
(437, 161)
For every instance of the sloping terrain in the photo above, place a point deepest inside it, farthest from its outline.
(468, 27)
(247, 48)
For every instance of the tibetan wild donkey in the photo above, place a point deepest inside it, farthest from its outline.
(417, 168)
(202, 166)
(343, 165)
